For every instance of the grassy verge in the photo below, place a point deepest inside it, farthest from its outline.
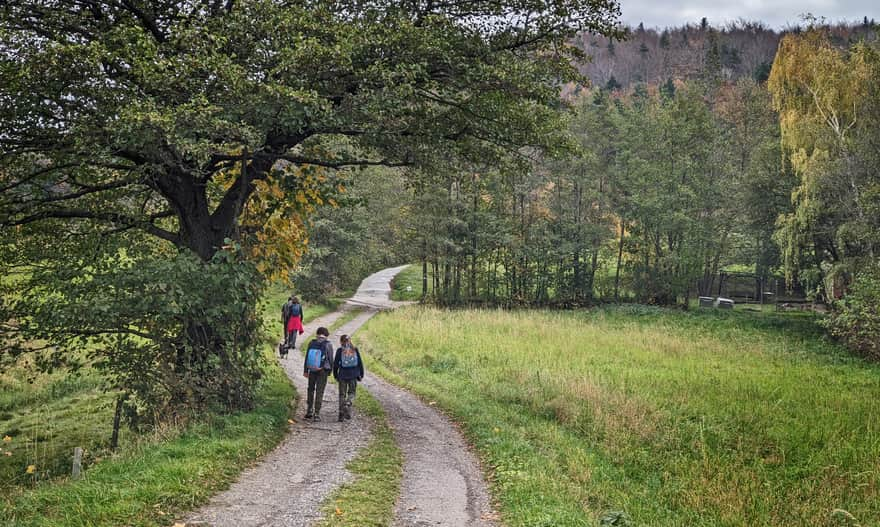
(44, 417)
(368, 501)
(411, 278)
(347, 317)
(649, 417)
(150, 479)
(147, 483)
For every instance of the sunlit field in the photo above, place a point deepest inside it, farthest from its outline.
(640, 416)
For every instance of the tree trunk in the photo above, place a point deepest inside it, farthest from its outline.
(619, 260)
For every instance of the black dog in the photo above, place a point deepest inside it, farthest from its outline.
(283, 349)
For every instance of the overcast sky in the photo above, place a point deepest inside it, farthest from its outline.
(775, 13)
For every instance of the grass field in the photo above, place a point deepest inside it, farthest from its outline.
(638, 416)
(410, 277)
(150, 478)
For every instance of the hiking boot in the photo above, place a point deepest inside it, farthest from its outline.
(316, 417)
(309, 415)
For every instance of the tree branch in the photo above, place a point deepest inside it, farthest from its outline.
(299, 160)
(110, 217)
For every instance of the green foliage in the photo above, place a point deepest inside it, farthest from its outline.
(360, 235)
(152, 478)
(657, 191)
(856, 318)
(176, 334)
(666, 418)
(143, 140)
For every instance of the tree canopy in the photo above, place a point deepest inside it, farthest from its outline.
(175, 148)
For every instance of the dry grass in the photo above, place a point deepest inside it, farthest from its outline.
(673, 418)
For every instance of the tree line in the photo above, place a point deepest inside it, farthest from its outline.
(658, 188)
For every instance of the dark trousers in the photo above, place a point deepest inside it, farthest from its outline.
(290, 338)
(346, 395)
(317, 383)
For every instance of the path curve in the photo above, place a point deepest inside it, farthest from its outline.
(443, 484)
(442, 481)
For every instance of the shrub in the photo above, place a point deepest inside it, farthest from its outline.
(856, 318)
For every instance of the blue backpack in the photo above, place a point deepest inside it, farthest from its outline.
(348, 357)
(315, 356)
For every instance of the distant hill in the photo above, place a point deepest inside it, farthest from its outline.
(691, 51)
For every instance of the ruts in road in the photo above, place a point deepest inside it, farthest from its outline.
(442, 485)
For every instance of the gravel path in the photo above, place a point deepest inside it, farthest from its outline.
(288, 486)
(442, 482)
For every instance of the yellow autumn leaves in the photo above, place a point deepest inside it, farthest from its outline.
(273, 221)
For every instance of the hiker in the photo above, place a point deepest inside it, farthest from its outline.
(292, 317)
(317, 367)
(348, 369)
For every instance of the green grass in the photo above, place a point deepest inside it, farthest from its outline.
(45, 417)
(368, 500)
(347, 317)
(670, 418)
(155, 478)
(151, 479)
(410, 277)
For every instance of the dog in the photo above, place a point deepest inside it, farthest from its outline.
(283, 349)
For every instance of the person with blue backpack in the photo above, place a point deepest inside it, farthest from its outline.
(348, 369)
(317, 367)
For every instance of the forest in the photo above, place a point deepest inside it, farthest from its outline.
(657, 189)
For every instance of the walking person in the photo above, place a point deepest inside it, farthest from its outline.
(292, 316)
(348, 369)
(316, 368)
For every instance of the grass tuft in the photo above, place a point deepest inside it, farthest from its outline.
(410, 277)
(369, 499)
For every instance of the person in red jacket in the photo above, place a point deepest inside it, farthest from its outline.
(292, 317)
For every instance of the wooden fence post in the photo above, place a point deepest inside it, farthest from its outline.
(77, 462)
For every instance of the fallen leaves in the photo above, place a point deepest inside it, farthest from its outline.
(30, 469)
(7, 439)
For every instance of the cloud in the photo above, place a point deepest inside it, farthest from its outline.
(775, 14)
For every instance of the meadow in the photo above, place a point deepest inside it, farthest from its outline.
(642, 416)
